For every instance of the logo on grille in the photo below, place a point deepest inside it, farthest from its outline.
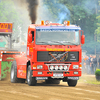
(59, 57)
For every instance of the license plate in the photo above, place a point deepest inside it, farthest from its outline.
(57, 75)
(73, 78)
(41, 78)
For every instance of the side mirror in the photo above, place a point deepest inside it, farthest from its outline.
(82, 39)
(30, 38)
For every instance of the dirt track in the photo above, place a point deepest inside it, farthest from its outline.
(18, 91)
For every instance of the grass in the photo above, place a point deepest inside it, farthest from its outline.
(94, 82)
(89, 79)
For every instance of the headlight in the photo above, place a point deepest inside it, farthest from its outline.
(51, 67)
(61, 67)
(39, 73)
(75, 66)
(39, 66)
(65, 67)
(56, 67)
(75, 72)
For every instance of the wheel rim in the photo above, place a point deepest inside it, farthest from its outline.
(12, 73)
(28, 76)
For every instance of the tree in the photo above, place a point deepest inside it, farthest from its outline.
(97, 31)
(82, 13)
(10, 13)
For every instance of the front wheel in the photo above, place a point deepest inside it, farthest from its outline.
(72, 82)
(30, 80)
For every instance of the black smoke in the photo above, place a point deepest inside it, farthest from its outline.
(32, 7)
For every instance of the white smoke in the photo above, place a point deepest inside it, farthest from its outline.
(43, 12)
(64, 13)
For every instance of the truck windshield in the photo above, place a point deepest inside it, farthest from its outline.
(57, 38)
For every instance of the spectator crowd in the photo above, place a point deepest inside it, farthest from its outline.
(89, 64)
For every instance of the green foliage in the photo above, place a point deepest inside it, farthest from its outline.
(97, 31)
(57, 10)
(10, 13)
(82, 13)
(90, 47)
(97, 72)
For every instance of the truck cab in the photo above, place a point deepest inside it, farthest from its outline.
(54, 53)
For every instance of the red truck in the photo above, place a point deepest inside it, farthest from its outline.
(54, 53)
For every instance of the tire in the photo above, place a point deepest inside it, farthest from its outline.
(30, 80)
(13, 74)
(72, 83)
(51, 81)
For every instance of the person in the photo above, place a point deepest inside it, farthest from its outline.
(99, 61)
(91, 64)
(42, 37)
(38, 37)
(2, 43)
(85, 58)
(94, 63)
(83, 67)
(88, 65)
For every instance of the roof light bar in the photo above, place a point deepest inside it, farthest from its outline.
(66, 23)
(47, 22)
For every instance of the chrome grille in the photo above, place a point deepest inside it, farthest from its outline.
(57, 56)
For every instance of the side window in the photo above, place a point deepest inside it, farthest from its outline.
(32, 35)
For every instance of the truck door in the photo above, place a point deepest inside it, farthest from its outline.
(30, 44)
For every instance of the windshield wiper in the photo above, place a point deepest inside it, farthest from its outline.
(62, 42)
(57, 42)
(69, 42)
(44, 43)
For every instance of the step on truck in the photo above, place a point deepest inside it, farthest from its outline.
(54, 53)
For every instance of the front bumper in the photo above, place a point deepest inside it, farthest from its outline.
(50, 74)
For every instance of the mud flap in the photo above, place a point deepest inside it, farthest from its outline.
(21, 71)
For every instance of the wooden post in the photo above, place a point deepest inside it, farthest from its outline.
(0, 63)
(0, 68)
